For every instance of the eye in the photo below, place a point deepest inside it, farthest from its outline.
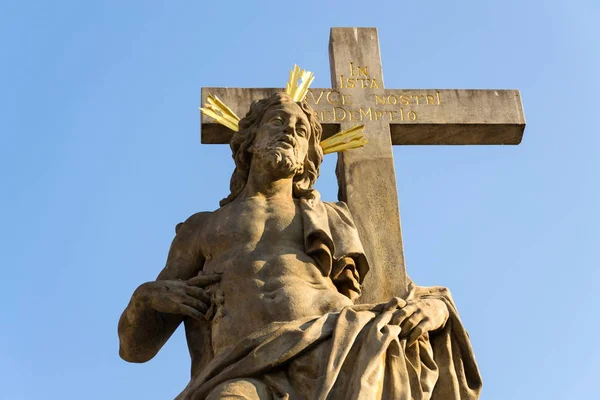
(278, 121)
(302, 131)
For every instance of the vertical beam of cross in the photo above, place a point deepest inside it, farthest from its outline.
(366, 176)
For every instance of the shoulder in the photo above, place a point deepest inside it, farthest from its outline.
(190, 232)
(193, 223)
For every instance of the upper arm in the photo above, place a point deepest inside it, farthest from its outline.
(185, 259)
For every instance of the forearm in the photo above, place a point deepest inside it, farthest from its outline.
(143, 331)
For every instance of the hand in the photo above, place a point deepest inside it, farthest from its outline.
(179, 297)
(419, 317)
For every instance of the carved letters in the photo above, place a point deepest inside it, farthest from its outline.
(333, 106)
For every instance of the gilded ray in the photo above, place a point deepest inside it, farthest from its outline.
(218, 111)
(349, 139)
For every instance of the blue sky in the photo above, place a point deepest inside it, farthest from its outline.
(100, 159)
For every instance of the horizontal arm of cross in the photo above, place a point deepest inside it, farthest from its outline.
(416, 117)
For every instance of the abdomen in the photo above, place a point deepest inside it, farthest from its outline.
(271, 289)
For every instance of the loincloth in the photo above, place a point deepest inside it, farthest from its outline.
(352, 354)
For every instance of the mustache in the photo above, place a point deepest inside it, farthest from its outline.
(286, 139)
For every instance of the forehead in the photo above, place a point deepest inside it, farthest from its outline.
(288, 108)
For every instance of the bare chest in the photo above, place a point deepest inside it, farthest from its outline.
(251, 224)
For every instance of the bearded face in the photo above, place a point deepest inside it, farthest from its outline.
(280, 137)
(281, 142)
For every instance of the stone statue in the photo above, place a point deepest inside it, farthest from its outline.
(266, 288)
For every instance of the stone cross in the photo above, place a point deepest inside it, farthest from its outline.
(367, 181)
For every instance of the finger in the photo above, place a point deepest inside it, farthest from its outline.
(393, 304)
(197, 304)
(417, 332)
(401, 315)
(401, 302)
(410, 323)
(204, 280)
(191, 312)
(197, 293)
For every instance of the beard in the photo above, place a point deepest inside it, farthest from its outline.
(281, 161)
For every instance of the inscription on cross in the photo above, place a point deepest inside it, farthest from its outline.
(366, 176)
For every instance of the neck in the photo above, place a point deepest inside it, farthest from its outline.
(265, 184)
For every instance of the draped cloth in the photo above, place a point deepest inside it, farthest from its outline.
(354, 353)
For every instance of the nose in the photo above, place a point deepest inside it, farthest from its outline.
(289, 128)
(289, 134)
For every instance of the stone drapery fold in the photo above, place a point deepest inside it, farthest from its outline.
(331, 238)
(352, 354)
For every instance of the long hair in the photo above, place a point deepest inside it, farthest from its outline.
(243, 139)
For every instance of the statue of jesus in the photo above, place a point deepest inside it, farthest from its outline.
(266, 288)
